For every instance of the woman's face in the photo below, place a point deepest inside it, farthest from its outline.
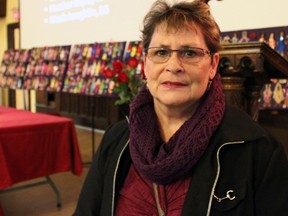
(174, 83)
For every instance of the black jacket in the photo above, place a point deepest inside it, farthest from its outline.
(242, 163)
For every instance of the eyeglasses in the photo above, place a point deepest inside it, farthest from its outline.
(160, 55)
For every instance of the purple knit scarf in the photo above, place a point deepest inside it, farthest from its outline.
(165, 163)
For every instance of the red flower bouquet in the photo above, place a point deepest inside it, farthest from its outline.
(127, 78)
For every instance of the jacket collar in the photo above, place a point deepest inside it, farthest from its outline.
(239, 126)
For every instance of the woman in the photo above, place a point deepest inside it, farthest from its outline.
(183, 151)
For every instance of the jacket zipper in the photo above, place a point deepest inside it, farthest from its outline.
(218, 173)
(114, 177)
(213, 187)
(115, 172)
(156, 195)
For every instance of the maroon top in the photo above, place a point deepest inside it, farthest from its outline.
(137, 196)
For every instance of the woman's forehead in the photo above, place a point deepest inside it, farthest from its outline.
(165, 28)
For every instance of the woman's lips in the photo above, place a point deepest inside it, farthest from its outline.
(173, 84)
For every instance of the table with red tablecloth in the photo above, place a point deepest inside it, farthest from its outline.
(34, 145)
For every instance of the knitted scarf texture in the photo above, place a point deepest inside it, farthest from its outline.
(164, 163)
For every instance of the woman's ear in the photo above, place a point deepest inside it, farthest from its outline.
(143, 71)
(144, 64)
(214, 65)
(144, 58)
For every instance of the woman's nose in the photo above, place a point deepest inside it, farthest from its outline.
(174, 63)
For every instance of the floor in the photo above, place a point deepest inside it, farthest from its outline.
(41, 200)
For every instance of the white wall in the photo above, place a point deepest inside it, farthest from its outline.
(250, 14)
(120, 20)
(59, 22)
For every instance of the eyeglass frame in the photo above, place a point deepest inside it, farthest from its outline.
(205, 52)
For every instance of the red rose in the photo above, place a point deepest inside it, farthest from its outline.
(122, 77)
(118, 66)
(108, 73)
(132, 62)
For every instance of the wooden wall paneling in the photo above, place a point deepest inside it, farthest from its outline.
(64, 103)
(41, 98)
(3, 8)
(118, 112)
(74, 104)
(11, 28)
(85, 105)
(12, 98)
(57, 102)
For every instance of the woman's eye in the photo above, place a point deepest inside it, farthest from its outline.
(189, 53)
(161, 52)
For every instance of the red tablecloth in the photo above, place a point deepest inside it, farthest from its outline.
(34, 145)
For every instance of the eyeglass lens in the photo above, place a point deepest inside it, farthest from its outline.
(189, 55)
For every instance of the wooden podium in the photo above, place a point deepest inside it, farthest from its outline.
(245, 68)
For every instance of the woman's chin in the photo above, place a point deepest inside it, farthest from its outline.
(175, 101)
